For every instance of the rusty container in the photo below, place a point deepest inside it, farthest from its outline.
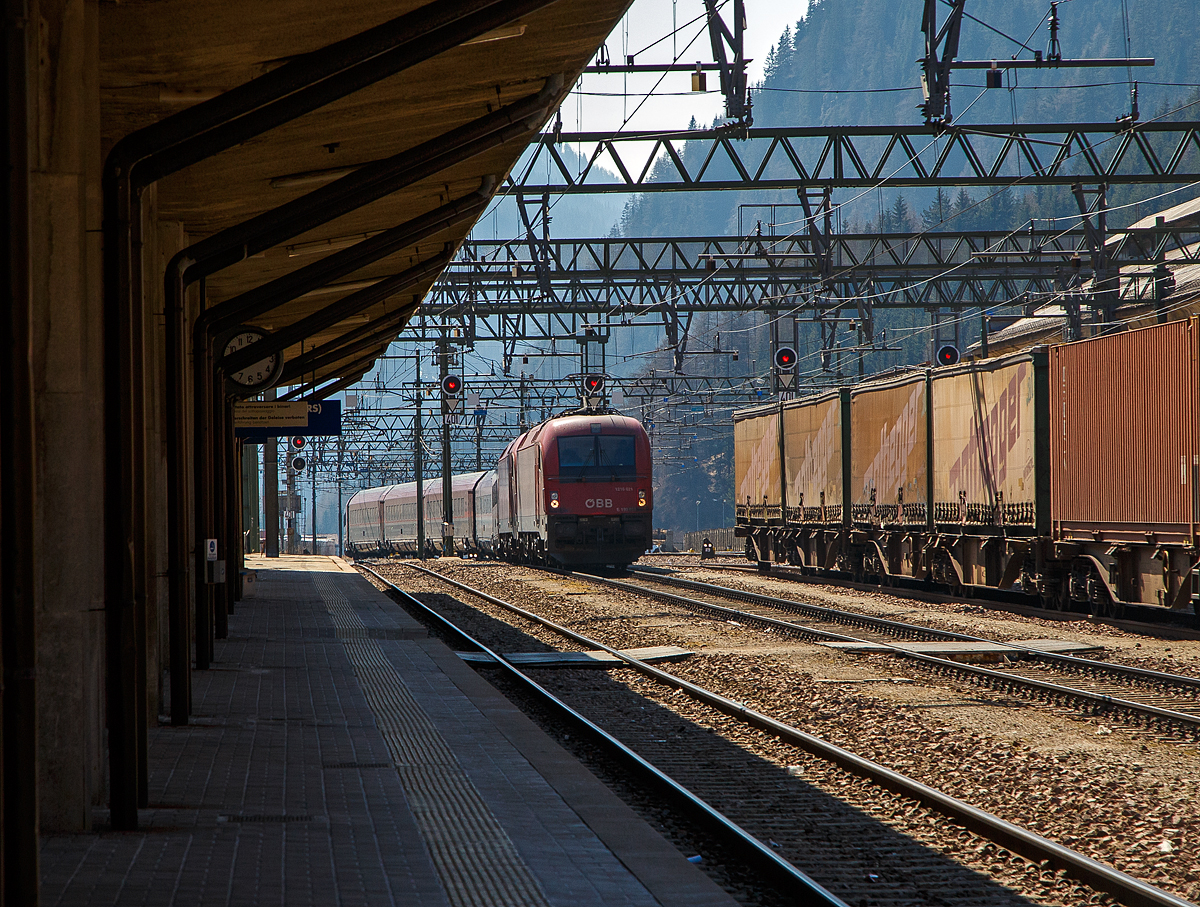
(812, 445)
(1123, 436)
(756, 463)
(889, 450)
(985, 441)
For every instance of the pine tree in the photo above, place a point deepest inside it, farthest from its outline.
(965, 217)
(934, 217)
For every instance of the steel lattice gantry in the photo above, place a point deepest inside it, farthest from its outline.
(868, 156)
(611, 279)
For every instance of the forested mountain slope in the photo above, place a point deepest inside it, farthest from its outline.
(853, 62)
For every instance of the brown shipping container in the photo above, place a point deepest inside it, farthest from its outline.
(983, 436)
(812, 443)
(1123, 447)
(756, 456)
(888, 446)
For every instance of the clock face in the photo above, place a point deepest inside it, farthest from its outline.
(259, 375)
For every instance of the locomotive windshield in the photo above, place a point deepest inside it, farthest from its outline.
(596, 458)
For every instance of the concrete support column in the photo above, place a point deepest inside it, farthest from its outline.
(167, 238)
(67, 328)
(19, 561)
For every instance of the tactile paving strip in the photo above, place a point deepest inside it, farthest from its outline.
(477, 861)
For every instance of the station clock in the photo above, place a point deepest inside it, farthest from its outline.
(259, 375)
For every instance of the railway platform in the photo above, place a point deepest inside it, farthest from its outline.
(337, 755)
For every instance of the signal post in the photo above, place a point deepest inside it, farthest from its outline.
(452, 386)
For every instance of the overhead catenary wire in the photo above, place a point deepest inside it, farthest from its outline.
(884, 183)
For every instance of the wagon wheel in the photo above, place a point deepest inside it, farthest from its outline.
(1057, 596)
(1101, 598)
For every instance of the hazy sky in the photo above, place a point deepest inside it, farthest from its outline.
(599, 105)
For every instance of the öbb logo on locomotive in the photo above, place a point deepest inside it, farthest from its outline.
(575, 490)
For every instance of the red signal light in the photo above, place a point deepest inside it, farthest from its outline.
(593, 384)
(785, 357)
(297, 443)
(452, 385)
(947, 354)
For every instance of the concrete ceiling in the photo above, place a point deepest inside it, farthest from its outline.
(160, 56)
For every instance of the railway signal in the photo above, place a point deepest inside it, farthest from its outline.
(593, 385)
(452, 386)
(785, 369)
(948, 354)
(295, 460)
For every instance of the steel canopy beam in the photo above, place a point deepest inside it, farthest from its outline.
(339, 311)
(267, 297)
(332, 352)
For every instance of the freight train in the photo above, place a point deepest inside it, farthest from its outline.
(573, 491)
(1069, 473)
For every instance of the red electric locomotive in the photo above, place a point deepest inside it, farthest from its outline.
(575, 491)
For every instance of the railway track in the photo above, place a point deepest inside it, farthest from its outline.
(1164, 702)
(1099, 876)
(1169, 624)
(782, 874)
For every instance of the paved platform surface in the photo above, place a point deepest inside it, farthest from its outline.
(338, 756)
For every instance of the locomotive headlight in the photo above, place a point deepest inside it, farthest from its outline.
(554, 500)
(641, 499)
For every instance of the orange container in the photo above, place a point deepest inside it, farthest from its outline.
(1123, 436)
(812, 443)
(984, 443)
(889, 454)
(756, 462)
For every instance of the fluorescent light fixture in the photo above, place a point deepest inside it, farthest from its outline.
(311, 178)
(334, 244)
(333, 288)
(498, 34)
(185, 96)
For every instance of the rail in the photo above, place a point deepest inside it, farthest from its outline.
(783, 872)
(1125, 888)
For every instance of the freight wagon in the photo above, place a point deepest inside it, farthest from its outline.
(1069, 473)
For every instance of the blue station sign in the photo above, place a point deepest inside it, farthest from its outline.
(255, 425)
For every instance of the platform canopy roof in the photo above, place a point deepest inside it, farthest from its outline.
(159, 57)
